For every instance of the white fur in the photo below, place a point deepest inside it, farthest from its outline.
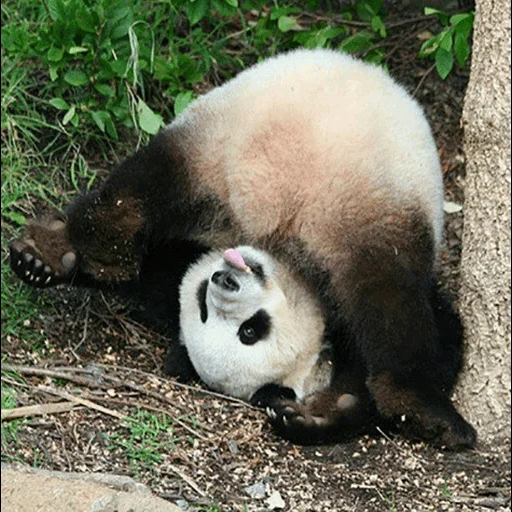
(288, 356)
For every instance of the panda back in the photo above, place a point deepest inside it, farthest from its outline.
(312, 131)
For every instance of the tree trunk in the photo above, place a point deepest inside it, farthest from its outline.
(484, 392)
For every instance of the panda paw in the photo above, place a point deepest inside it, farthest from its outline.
(321, 418)
(43, 256)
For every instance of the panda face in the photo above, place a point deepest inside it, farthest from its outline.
(239, 298)
(246, 322)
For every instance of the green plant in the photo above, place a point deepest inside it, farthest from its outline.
(9, 427)
(444, 489)
(149, 436)
(95, 58)
(451, 44)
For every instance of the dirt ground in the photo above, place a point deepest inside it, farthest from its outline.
(104, 363)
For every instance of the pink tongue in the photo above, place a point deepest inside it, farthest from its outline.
(234, 258)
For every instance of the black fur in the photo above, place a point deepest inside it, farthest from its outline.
(201, 299)
(271, 394)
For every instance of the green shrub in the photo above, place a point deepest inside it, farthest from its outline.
(452, 43)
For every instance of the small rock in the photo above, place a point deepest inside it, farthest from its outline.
(257, 491)
(275, 501)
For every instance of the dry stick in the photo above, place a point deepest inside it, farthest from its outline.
(184, 386)
(187, 480)
(37, 410)
(420, 83)
(84, 333)
(86, 403)
(33, 370)
(27, 370)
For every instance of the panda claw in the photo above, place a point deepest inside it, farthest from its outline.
(48, 279)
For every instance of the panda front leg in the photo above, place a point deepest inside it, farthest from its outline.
(94, 241)
(102, 237)
(326, 416)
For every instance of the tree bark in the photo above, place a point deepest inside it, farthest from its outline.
(484, 391)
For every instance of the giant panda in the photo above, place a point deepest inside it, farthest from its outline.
(328, 164)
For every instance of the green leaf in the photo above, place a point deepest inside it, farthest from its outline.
(444, 62)
(99, 119)
(105, 90)
(458, 18)
(277, 12)
(57, 9)
(149, 122)
(55, 54)
(378, 26)
(54, 73)
(111, 128)
(77, 49)
(461, 49)
(76, 78)
(182, 101)
(59, 103)
(223, 8)
(197, 10)
(364, 11)
(429, 46)
(233, 3)
(465, 26)
(443, 17)
(357, 42)
(15, 217)
(286, 23)
(446, 41)
(85, 19)
(69, 115)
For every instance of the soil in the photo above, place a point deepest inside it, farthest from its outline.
(219, 453)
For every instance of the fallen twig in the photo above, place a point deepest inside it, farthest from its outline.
(420, 83)
(187, 480)
(81, 401)
(37, 410)
(54, 374)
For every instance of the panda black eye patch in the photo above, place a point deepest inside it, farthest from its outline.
(201, 299)
(256, 328)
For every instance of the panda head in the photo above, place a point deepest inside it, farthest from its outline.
(246, 322)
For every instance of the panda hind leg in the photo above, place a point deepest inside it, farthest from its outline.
(404, 340)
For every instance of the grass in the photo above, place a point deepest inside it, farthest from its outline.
(148, 436)
(9, 428)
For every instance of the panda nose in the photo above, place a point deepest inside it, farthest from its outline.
(226, 280)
